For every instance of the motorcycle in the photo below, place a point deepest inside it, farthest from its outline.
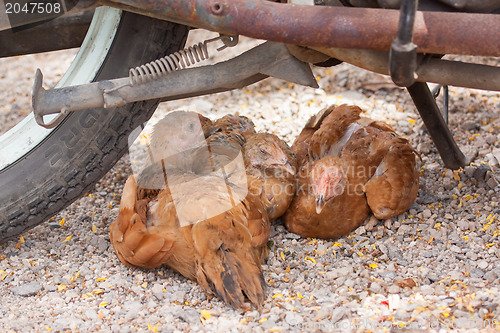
(132, 57)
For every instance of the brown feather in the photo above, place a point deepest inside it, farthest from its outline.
(233, 123)
(332, 129)
(134, 244)
(228, 256)
(300, 146)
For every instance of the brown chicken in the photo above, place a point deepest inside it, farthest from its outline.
(269, 160)
(273, 165)
(349, 166)
(207, 222)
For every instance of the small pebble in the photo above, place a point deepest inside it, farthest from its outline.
(491, 276)
(27, 289)
(433, 278)
(427, 213)
(375, 287)
(455, 275)
(292, 318)
(394, 289)
(483, 264)
(492, 183)
(476, 273)
(470, 125)
(391, 275)
(426, 290)
(480, 172)
(190, 316)
(337, 314)
(428, 254)
(471, 255)
(424, 147)
(157, 288)
(490, 139)
(462, 224)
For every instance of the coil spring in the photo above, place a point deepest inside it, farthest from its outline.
(173, 62)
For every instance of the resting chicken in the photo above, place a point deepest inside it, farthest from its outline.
(208, 219)
(349, 166)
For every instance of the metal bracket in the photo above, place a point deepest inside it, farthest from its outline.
(446, 97)
(268, 59)
(229, 41)
(403, 54)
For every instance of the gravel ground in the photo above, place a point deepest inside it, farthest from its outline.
(434, 268)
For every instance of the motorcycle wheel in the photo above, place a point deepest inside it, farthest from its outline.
(43, 171)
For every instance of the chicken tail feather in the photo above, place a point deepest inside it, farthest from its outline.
(232, 276)
(315, 121)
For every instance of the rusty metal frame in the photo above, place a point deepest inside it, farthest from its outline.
(446, 72)
(323, 26)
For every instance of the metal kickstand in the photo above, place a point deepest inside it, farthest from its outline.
(422, 97)
(264, 60)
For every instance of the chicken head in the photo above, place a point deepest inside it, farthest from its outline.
(327, 181)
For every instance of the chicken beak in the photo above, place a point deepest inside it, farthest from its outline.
(288, 167)
(320, 203)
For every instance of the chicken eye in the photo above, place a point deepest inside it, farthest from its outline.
(191, 127)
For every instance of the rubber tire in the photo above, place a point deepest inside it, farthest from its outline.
(86, 145)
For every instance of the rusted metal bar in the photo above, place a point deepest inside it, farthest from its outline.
(345, 27)
(446, 72)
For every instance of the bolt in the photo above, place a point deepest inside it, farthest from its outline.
(217, 8)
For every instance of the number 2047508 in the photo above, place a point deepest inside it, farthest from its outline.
(33, 8)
